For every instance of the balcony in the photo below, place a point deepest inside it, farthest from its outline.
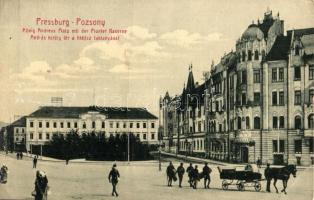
(309, 133)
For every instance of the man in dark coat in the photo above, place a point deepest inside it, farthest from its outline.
(113, 179)
(41, 184)
(268, 177)
(190, 170)
(195, 177)
(170, 173)
(180, 171)
(35, 162)
(206, 174)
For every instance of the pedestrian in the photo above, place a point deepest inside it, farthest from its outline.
(259, 163)
(41, 186)
(206, 174)
(170, 174)
(190, 170)
(180, 171)
(17, 155)
(35, 162)
(195, 177)
(268, 177)
(21, 155)
(4, 174)
(113, 179)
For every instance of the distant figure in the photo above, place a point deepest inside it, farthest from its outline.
(170, 173)
(248, 167)
(267, 176)
(259, 163)
(190, 170)
(206, 174)
(21, 155)
(67, 161)
(3, 174)
(180, 171)
(113, 179)
(35, 162)
(17, 156)
(41, 185)
(195, 177)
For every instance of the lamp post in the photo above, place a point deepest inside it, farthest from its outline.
(128, 147)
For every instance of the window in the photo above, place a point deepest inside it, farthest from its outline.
(257, 123)
(40, 124)
(191, 129)
(281, 146)
(69, 124)
(220, 128)
(131, 125)
(40, 136)
(17, 130)
(93, 124)
(281, 122)
(255, 55)
(84, 125)
(249, 55)
(54, 124)
(153, 136)
(144, 125)
(22, 130)
(281, 98)
(297, 73)
(275, 122)
(281, 75)
(274, 98)
(111, 124)
(274, 75)
(263, 54)
(297, 50)
(243, 98)
(31, 124)
(231, 81)
(137, 125)
(138, 135)
(124, 125)
(239, 123)
(102, 124)
(311, 72)
(243, 56)
(152, 125)
(247, 122)
(297, 122)
(31, 136)
(47, 124)
(256, 76)
(199, 126)
(311, 121)
(144, 136)
(75, 124)
(61, 124)
(17, 139)
(244, 77)
(311, 96)
(297, 97)
(117, 124)
(47, 136)
(297, 146)
(311, 145)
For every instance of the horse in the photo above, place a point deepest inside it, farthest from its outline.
(281, 174)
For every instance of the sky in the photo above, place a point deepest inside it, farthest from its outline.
(163, 38)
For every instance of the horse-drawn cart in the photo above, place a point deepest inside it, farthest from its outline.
(242, 179)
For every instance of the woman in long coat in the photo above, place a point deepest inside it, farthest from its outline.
(41, 184)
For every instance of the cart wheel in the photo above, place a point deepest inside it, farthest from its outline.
(224, 185)
(241, 186)
(257, 186)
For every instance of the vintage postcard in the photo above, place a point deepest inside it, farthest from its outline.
(168, 99)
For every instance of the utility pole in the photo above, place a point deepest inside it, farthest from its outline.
(129, 148)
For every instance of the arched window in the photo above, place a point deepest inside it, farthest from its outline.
(239, 123)
(84, 125)
(247, 122)
(297, 122)
(297, 50)
(311, 121)
(257, 123)
(255, 55)
(249, 55)
(243, 56)
(93, 124)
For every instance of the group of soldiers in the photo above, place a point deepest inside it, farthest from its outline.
(193, 174)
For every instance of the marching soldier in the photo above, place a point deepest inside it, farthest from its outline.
(206, 173)
(180, 171)
(190, 170)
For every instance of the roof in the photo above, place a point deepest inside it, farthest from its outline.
(301, 32)
(110, 112)
(252, 32)
(308, 44)
(279, 50)
(21, 122)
